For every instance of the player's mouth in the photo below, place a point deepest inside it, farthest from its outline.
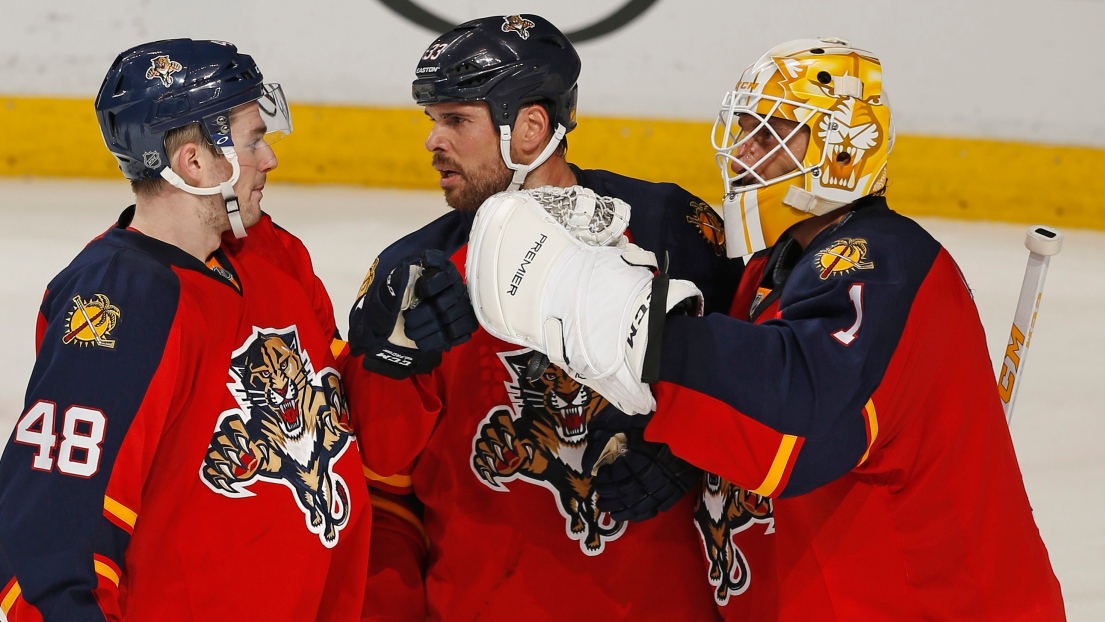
(450, 173)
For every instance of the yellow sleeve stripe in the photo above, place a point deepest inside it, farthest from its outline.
(778, 466)
(9, 598)
(402, 513)
(399, 481)
(872, 426)
(336, 346)
(106, 571)
(120, 511)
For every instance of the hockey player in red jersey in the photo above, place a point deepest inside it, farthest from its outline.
(186, 452)
(859, 464)
(482, 509)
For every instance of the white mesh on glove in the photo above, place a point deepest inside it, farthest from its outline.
(593, 219)
(533, 283)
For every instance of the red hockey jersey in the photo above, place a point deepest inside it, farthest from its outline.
(864, 469)
(494, 457)
(185, 451)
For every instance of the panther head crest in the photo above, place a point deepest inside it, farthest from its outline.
(272, 374)
(563, 403)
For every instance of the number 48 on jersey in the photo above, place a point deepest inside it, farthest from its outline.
(82, 432)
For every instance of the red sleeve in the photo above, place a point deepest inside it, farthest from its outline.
(392, 418)
(396, 589)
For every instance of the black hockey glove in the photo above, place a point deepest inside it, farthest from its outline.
(635, 479)
(406, 320)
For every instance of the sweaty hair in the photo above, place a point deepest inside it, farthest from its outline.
(174, 140)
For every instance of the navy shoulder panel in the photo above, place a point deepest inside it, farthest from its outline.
(668, 220)
(872, 245)
(447, 234)
(108, 316)
(843, 310)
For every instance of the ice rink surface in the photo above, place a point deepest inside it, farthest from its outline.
(1058, 427)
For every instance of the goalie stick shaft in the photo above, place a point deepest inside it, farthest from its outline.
(1042, 242)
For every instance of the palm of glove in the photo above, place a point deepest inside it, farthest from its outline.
(404, 322)
(635, 479)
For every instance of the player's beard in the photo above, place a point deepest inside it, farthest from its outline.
(478, 186)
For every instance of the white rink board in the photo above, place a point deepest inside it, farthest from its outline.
(1058, 427)
(1021, 70)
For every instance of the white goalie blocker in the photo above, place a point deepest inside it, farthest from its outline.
(584, 304)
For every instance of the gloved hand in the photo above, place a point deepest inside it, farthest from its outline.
(404, 321)
(635, 479)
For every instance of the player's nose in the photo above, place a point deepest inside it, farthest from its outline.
(434, 140)
(268, 159)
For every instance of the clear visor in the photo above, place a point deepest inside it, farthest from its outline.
(274, 112)
(754, 142)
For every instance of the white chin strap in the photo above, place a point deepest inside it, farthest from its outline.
(226, 189)
(521, 170)
(806, 201)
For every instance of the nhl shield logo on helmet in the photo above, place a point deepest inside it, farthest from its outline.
(151, 159)
(163, 68)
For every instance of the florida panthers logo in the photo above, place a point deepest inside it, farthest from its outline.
(842, 257)
(518, 24)
(540, 438)
(725, 509)
(163, 68)
(709, 225)
(292, 424)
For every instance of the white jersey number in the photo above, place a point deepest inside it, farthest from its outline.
(82, 433)
(855, 292)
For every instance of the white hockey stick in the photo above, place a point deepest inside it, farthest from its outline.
(1042, 242)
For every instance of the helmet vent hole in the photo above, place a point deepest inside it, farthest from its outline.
(817, 51)
(460, 68)
(823, 77)
(478, 80)
(843, 157)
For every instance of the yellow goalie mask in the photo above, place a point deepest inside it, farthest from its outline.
(807, 130)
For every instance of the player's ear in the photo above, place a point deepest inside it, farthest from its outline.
(532, 129)
(189, 163)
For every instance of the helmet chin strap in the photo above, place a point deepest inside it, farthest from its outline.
(521, 170)
(806, 201)
(226, 189)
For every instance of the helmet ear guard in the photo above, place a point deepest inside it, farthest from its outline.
(830, 88)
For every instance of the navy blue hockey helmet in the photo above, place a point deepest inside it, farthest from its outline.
(507, 61)
(159, 86)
